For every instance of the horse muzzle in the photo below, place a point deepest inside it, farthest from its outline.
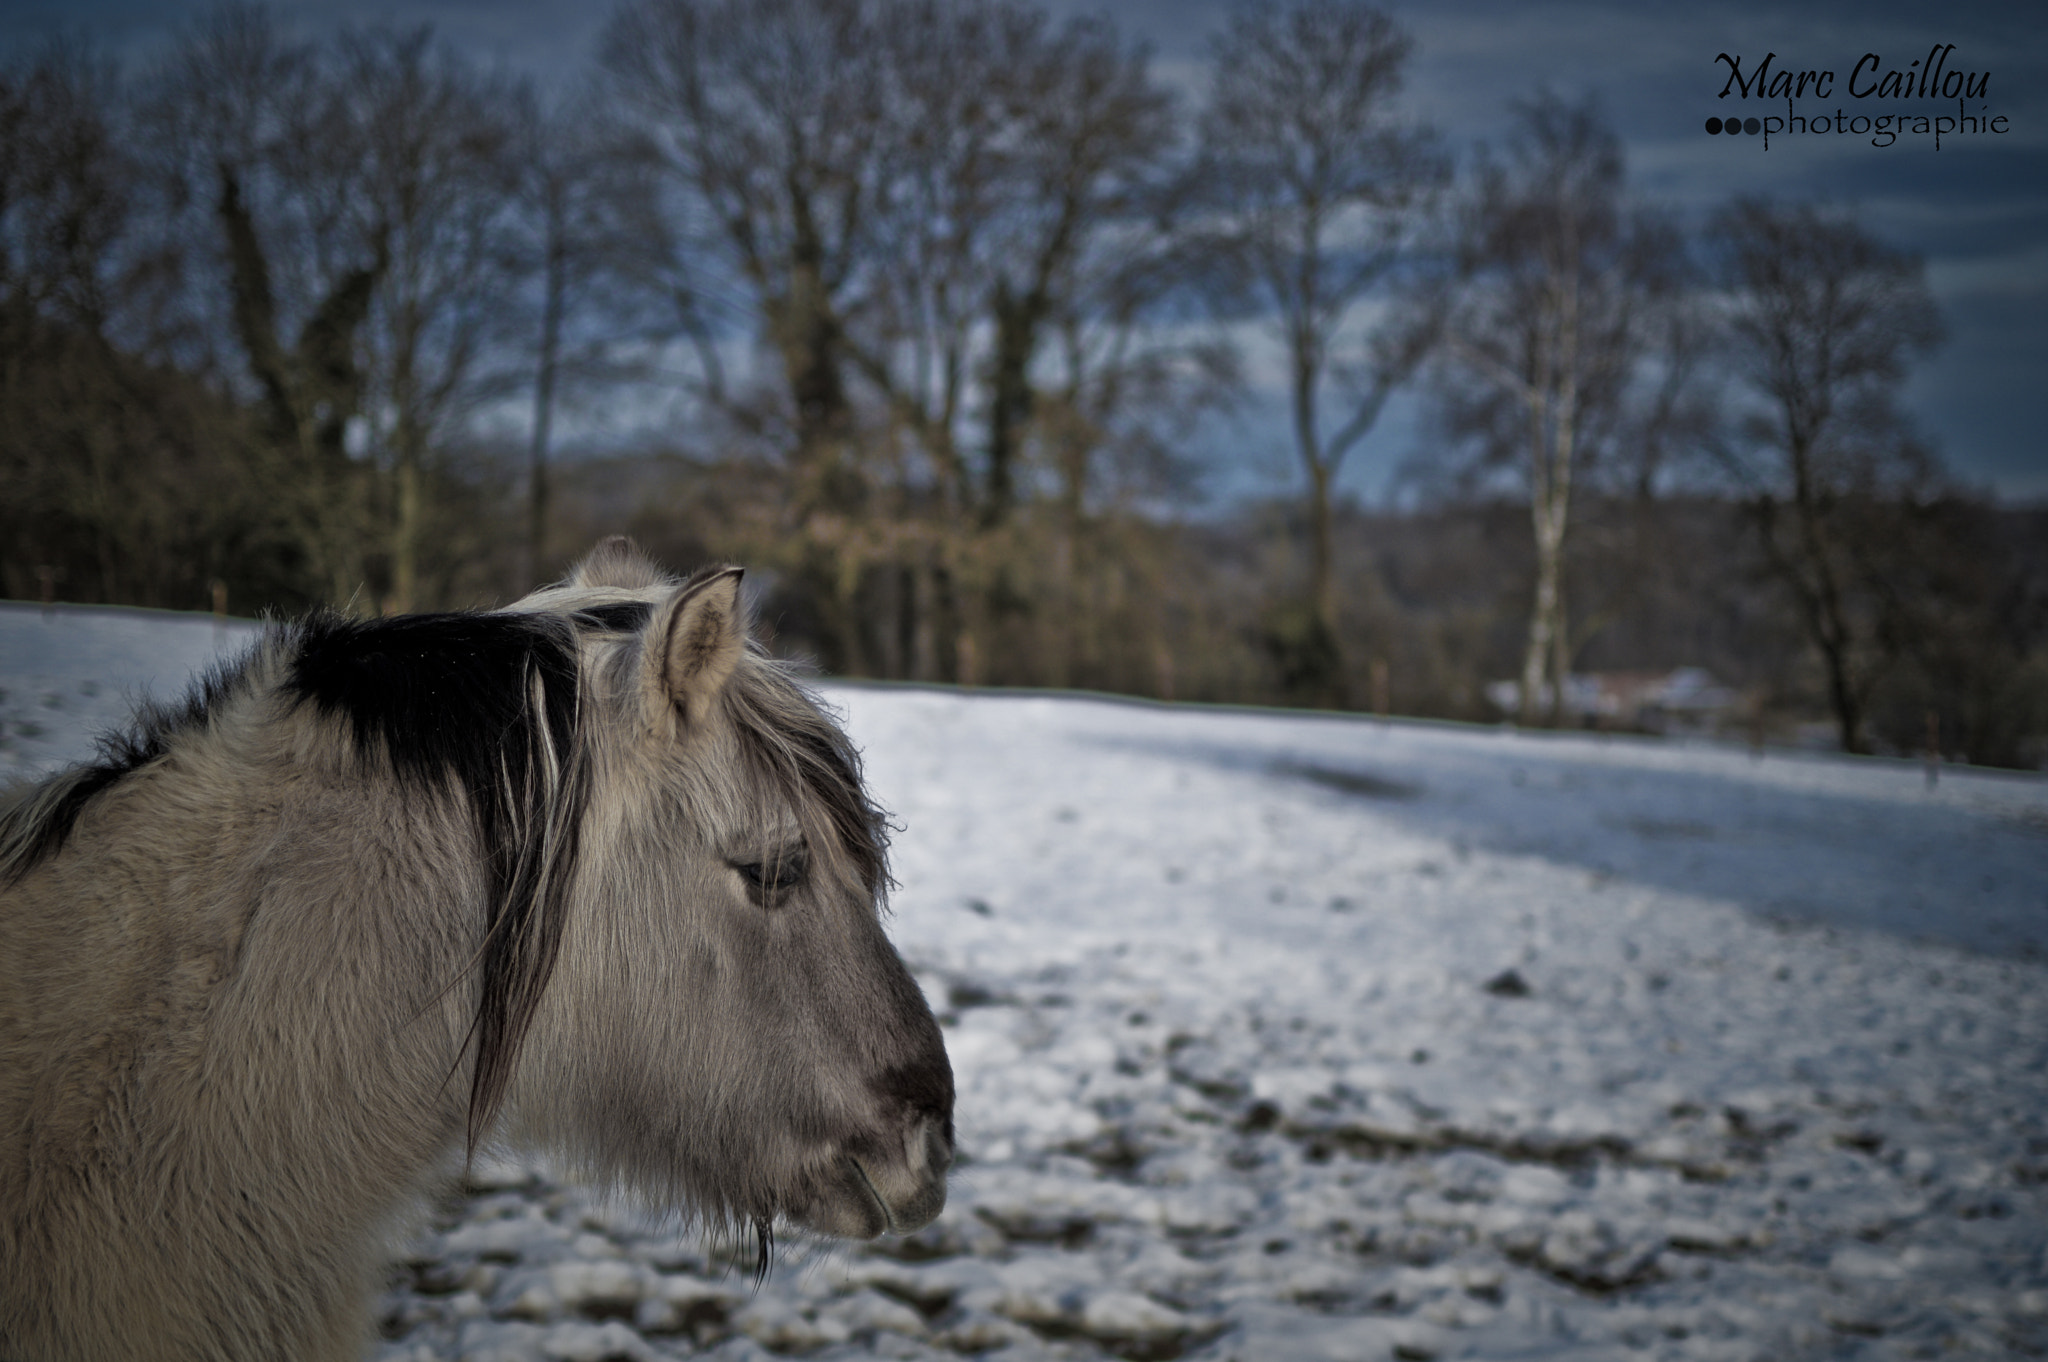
(879, 1187)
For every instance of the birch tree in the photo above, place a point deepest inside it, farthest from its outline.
(1547, 330)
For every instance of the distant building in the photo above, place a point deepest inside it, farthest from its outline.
(1684, 700)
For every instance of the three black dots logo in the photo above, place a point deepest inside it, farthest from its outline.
(1715, 126)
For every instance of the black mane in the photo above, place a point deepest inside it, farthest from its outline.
(437, 696)
(621, 617)
(37, 827)
(487, 703)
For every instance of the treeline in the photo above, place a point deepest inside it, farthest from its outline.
(919, 310)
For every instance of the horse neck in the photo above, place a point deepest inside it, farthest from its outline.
(269, 949)
(233, 1015)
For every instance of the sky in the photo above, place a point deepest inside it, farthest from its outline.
(1976, 208)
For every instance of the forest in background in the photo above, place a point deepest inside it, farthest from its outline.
(929, 314)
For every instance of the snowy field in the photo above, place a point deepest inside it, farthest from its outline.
(1292, 1037)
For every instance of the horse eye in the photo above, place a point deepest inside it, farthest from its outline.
(767, 880)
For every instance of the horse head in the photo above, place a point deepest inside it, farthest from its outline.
(727, 1027)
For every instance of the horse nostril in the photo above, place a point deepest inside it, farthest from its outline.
(938, 1147)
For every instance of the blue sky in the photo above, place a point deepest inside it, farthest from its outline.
(1977, 209)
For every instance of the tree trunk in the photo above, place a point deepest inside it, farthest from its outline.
(406, 537)
(1319, 662)
(1539, 652)
(1322, 584)
(1831, 629)
(827, 486)
(544, 403)
(1842, 695)
(1009, 399)
(1554, 429)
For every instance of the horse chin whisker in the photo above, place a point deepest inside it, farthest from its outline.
(881, 1202)
(764, 1241)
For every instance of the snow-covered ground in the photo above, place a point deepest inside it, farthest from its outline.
(1295, 1037)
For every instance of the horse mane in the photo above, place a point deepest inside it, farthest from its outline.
(488, 703)
(483, 704)
(36, 822)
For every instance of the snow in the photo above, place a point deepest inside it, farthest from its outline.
(1233, 1083)
(72, 672)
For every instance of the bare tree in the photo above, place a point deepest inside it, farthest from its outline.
(1019, 154)
(1553, 320)
(1094, 134)
(1319, 189)
(905, 200)
(71, 405)
(1821, 321)
(574, 162)
(771, 116)
(948, 215)
(248, 131)
(130, 475)
(351, 202)
(1124, 370)
(440, 193)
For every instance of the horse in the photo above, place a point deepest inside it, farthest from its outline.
(590, 875)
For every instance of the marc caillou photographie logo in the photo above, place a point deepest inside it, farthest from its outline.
(1934, 97)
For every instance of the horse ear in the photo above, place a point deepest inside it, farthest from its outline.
(618, 561)
(701, 637)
